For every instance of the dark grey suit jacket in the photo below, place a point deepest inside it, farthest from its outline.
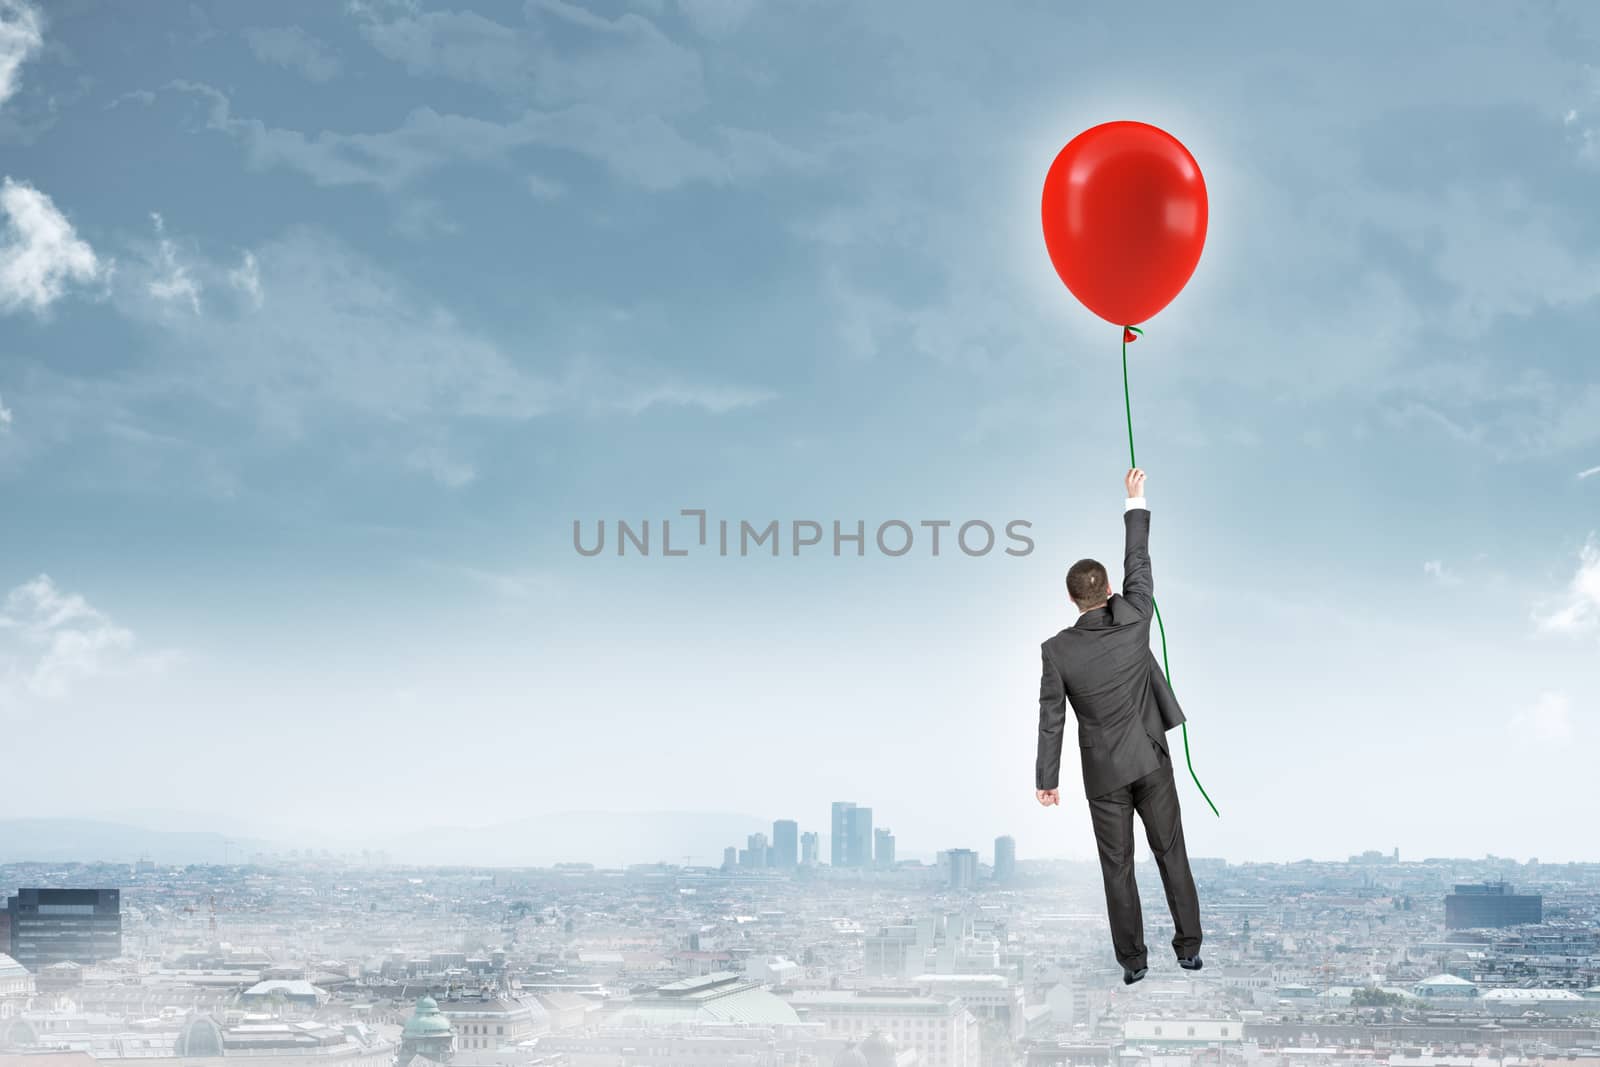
(1103, 665)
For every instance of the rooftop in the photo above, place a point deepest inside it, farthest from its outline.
(289, 987)
(1532, 994)
(722, 996)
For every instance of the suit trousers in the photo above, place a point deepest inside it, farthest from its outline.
(1155, 798)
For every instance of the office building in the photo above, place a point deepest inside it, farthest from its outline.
(488, 1018)
(809, 847)
(937, 1025)
(15, 981)
(963, 868)
(991, 997)
(785, 844)
(899, 951)
(1005, 858)
(690, 1045)
(883, 847)
(859, 828)
(839, 841)
(754, 854)
(1181, 1032)
(1490, 904)
(64, 926)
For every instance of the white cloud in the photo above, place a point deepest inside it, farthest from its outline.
(619, 91)
(143, 97)
(390, 160)
(173, 282)
(51, 641)
(1588, 140)
(1501, 250)
(442, 467)
(21, 35)
(1509, 411)
(716, 18)
(347, 339)
(562, 55)
(544, 188)
(1548, 719)
(1440, 572)
(608, 387)
(5, 416)
(1578, 609)
(246, 278)
(716, 399)
(294, 49)
(40, 252)
(421, 218)
(638, 147)
(352, 355)
(457, 44)
(1589, 472)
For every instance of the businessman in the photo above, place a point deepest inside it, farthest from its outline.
(1103, 665)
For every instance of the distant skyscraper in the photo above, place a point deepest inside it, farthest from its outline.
(1005, 858)
(963, 868)
(756, 850)
(1491, 904)
(839, 841)
(859, 823)
(883, 847)
(730, 858)
(785, 843)
(808, 849)
(64, 925)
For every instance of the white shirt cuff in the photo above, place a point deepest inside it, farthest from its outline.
(1135, 502)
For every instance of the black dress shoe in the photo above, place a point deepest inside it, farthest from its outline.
(1190, 963)
(1130, 977)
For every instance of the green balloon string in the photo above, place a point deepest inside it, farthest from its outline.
(1127, 406)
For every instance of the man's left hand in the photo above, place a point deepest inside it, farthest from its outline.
(1048, 797)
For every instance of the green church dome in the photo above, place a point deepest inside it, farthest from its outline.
(427, 1021)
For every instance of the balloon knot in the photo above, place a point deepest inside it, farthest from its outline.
(1130, 334)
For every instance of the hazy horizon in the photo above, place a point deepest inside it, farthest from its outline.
(193, 837)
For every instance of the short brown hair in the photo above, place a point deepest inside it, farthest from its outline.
(1086, 584)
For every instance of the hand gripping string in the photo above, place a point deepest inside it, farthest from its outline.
(1131, 333)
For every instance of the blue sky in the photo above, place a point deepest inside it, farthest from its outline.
(320, 325)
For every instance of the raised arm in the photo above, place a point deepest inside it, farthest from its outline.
(1138, 587)
(1052, 713)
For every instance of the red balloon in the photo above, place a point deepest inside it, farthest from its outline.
(1124, 219)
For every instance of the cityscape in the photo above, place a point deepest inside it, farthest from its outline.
(791, 955)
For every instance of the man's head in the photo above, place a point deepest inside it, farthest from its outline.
(1087, 584)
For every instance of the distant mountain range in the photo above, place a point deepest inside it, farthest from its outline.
(598, 837)
(604, 838)
(89, 840)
